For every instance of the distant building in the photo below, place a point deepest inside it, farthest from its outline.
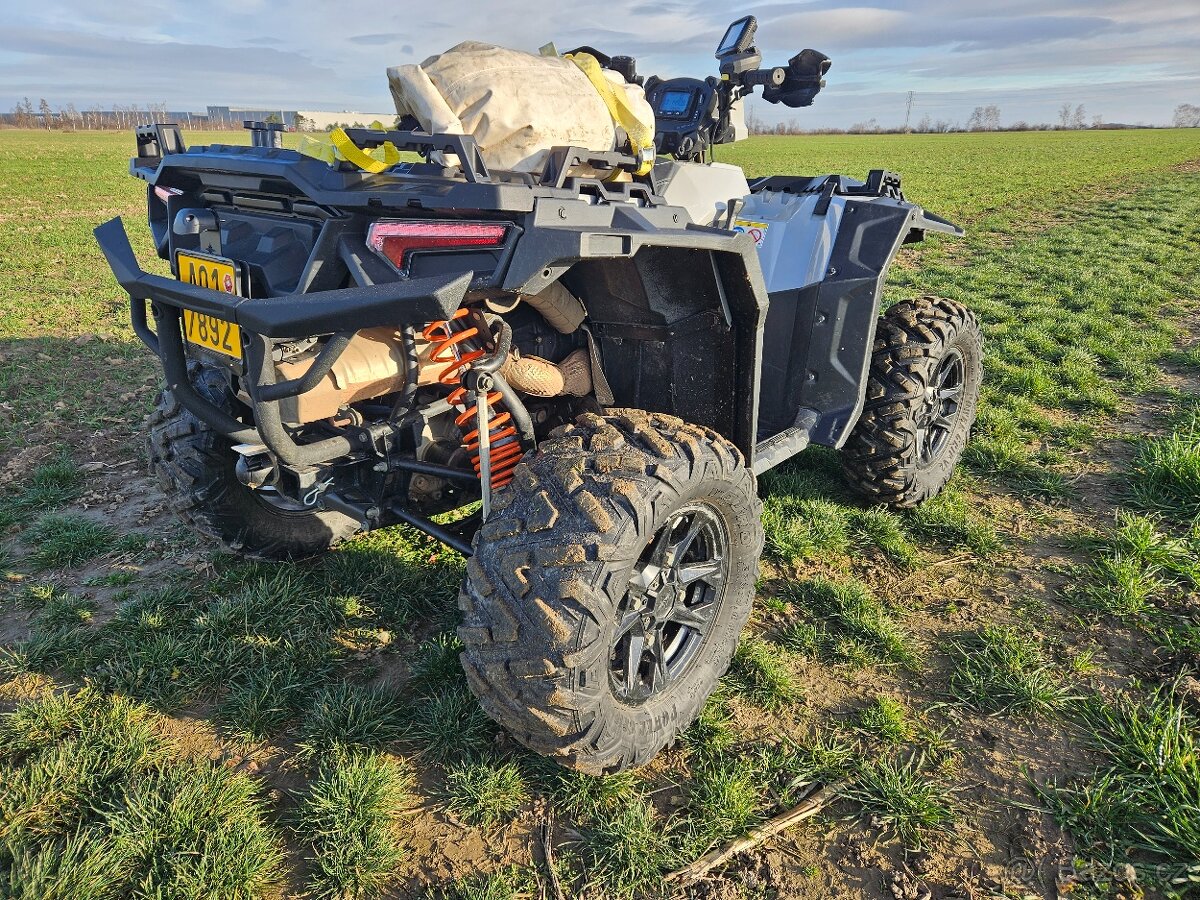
(320, 120)
(235, 115)
(310, 119)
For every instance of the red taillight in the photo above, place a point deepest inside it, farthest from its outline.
(394, 241)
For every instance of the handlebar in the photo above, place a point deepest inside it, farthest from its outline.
(773, 77)
(693, 115)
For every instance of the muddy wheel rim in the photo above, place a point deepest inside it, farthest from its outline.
(670, 605)
(943, 398)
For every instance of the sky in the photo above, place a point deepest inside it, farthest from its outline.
(1125, 61)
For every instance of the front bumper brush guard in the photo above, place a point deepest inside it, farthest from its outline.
(340, 313)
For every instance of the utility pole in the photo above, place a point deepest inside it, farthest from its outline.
(908, 111)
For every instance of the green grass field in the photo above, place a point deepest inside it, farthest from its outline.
(1003, 683)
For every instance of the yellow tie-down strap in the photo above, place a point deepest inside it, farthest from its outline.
(640, 137)
(337, 146)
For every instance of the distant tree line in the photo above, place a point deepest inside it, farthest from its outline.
(93, 118)
(68, 118)
(1071, 117)
(982, 118)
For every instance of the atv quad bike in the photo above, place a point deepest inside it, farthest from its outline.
(601, 364)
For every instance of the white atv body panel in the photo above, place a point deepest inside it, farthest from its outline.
(704, 190)
(794, 243)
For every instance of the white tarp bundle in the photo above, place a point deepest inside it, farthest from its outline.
(516, 105)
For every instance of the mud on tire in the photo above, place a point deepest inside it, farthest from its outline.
(548, 587)
(195, 466)
(913, 427)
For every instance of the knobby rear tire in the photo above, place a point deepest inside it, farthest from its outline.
(551, 568)
(195, 466)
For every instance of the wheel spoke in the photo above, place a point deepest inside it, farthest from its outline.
(660, 675)
(633, 660)
(662, 543)
(700, 571)
(935, 421)
(657, 634)
(631, 618)
(696, 617)
(643, 576)
(681, 547)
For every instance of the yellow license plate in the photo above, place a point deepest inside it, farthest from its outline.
(204, 330)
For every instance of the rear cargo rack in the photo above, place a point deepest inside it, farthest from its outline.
(156, 141)
(470, 158)
(554, 174)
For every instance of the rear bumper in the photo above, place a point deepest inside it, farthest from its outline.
(340, 313)
(417, 300)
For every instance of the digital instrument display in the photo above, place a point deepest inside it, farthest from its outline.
(736, 38)
(674, 103)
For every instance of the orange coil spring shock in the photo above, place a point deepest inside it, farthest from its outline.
(456, 345)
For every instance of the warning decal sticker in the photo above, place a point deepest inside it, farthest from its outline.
(756, 230)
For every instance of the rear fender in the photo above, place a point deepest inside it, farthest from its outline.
(679, 331)
(676, 310)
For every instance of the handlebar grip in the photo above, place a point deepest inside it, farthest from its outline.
(766, 77)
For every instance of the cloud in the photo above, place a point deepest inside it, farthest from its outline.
(67, 66)
(1127, 59)
(373, 40)
(876, 28)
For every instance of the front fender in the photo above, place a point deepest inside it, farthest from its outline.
(923, 220)
(819, 336)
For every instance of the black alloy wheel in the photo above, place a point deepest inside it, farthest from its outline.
(674, 593)
(935, 423)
